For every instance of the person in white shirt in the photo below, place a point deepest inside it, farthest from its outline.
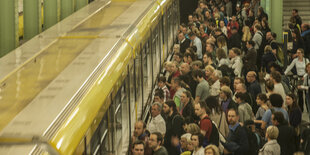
(235, 61)
(299, 62)
(196, 42)
(157, 123)
(275, 77)
(223, 27)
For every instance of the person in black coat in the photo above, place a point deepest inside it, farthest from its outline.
(287, 138)
(235, 39)
(188, 111)
(184, 42)
(249, 59)
(268, 57)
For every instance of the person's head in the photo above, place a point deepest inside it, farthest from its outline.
(169, 107)
(209, 47)
(220, 54)
(308, 68)
(268, 49)
(275, 77)
(240, 97)
(192, 128)
(250, 44)
(139, 128)
(192, 36)
(261, 99)
(221, 41)
(198, 75)
(209, 70)
(159, 96)
(185, 139)
(181, 36)
(276, 100)
(291, 101)
(294, 12)
(197, 140)
(185, 68)
(269, 85)
(176, 83)
(277, 118)
(178, 57)
(272, 132)
(225, 93)
(201, 109)
(190, 18)
(257, 27)
(161, 82)
(213, 104)
(225, 81)
(222, 24)
(251, 76)
(241, 88)
(250, 125)
(300, 53)
(207, 57)
(233, 18)
(212, 150)
(155, 140)
(237, 81)
(305, 27)
(186, 97)
(196, 65)
(233, 116)
(138, 147)
(156, 109)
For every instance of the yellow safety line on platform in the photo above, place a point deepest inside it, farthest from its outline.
(80, 37)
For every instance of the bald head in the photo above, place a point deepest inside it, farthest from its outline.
(251, 76)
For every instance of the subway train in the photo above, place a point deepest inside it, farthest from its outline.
(78, 87)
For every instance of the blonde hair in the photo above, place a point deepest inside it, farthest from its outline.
(214, 148)
(193, 128)
(247, 36)
(267, 49)
(210, 68)
(273, 132)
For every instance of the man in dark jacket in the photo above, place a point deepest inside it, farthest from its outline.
(253, 88)
(306, 37)
(174, 127)
(287, 136)
(235, 39)
(249, 59)
(184, 42)
(237, 140)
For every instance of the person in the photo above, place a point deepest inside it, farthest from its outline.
(217, 115)
(244, 109)
(196, 42)
(197, 141)
(272, 146)
(188, 109)
(187, 78)
(212, 150)
(177, 85)
(207, 60)
(276, 105)
(241, 88)
(138, 148)
(226, 99)
(174, 123)
(294, 111)
(216, 85)
(246, 36)
(287, 136)
(237, 140)
(231, 24)
(221, 57)
(261, 100)
(205, 124)
(299, 62)
(249, 59)
(162, 85)
(269, 56)
(184, 42)
(210, 48)
(305, 86)
(276, 78)
(203, 88)
(140, 133)
(185, 139)
(235, 61)
(157, 123)
(253, 87)
(296, 16)
(235, 39)
(155, 142)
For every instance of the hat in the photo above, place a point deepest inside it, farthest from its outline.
(197, 62)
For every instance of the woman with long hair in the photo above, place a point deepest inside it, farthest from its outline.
(294, 111)
(247, 36)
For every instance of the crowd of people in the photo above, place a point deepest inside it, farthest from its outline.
(212, 102)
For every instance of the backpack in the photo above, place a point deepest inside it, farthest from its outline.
(214, 137)
(253, 142)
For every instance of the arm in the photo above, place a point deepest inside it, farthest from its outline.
(290, 66)
(199, 50)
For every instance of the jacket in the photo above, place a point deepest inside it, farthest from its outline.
(270, 148)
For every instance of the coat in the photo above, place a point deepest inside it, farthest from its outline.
(270, 148)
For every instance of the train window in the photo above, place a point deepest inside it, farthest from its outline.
(117, 118)
(138, 83)
(155, 50)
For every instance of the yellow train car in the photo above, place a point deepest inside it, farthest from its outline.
(83, 91)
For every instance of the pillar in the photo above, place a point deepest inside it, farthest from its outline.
(276, 19)
(8, 26)
(51, 13)
(32, 18)
(80, 4)
(66, 8)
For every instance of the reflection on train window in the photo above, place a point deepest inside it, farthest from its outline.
(118, 119)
